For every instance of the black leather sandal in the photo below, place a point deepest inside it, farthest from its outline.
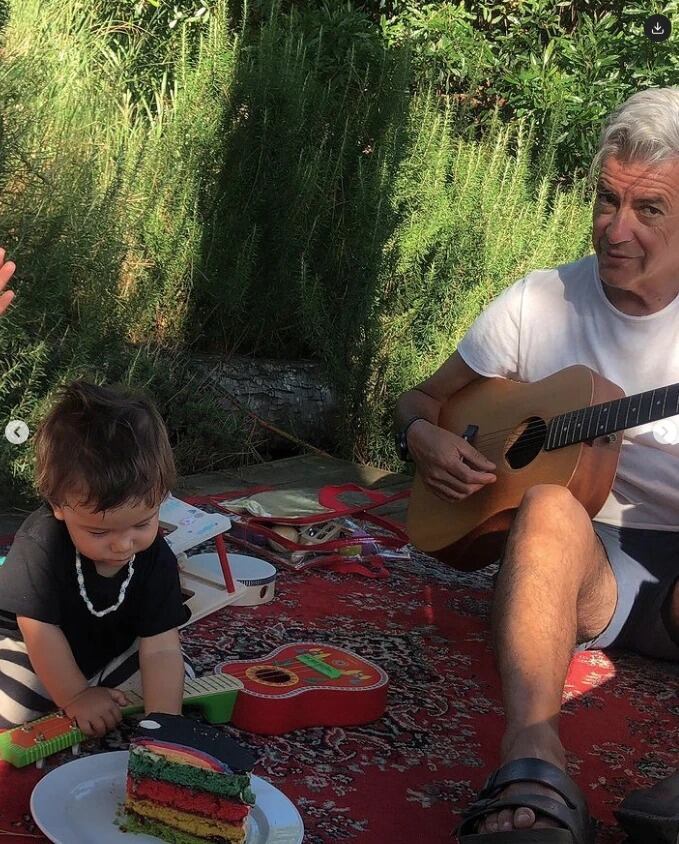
(652, 814)
(575, 823)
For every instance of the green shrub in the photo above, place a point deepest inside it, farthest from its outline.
(470, 223)
(98, 206)
(284, 180)
(565, 66)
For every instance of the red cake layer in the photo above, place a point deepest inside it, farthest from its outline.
(187, 800)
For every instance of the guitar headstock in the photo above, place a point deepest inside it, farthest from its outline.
(37, 739)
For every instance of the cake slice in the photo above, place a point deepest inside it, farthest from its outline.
(187, 783)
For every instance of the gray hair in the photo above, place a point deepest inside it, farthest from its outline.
(645, 128)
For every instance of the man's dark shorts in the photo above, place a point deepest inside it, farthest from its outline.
(646, 566)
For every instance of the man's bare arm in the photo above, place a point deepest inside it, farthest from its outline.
(450, 466)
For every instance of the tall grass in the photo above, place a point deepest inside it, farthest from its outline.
(99, 206)
(472, 220)
(277, 190)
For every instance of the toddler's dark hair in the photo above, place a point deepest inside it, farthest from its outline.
(105, 445)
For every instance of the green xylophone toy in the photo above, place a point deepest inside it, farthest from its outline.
(32, 742)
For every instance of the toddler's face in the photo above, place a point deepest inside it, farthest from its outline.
(109, 539)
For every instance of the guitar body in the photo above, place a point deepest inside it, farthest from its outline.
(470, 534)
(306, 684)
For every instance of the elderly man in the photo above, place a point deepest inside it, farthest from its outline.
(567, 582)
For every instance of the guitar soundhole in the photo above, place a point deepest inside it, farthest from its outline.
(528, 444)
(272, 675)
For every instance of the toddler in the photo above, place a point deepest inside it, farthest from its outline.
(90, 601)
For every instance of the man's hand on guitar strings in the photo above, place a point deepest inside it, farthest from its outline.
(448, 464)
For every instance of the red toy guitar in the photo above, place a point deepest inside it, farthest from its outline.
(306, 684)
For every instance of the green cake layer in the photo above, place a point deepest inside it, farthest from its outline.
(235, 786)
(133, 823)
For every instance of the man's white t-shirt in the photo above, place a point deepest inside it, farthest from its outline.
(555, 318)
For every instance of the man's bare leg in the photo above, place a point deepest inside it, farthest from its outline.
(555, 588)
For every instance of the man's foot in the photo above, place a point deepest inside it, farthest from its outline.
(562, 817)
(532, 743)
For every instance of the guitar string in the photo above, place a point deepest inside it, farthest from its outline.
(536, 434)
(486, 438)
(305, 673)
(546, 422)
(612, 401)
(309, 672)
(525, 440)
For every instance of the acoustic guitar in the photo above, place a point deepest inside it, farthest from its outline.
(564, 429)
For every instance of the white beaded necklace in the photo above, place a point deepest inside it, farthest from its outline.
(85, 596)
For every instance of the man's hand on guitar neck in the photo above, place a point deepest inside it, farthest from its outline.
(448, 464)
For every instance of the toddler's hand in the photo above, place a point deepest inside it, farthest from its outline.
(96, 710)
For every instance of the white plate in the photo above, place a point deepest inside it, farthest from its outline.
(77, 803)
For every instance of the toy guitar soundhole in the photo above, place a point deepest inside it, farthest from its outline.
(306, 684)
(269, 675)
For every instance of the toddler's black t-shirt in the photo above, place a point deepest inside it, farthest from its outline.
(38, 580)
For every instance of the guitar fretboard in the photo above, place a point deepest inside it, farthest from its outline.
(601, 419)
(199, 688)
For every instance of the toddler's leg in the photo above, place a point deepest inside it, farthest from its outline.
(22, 696)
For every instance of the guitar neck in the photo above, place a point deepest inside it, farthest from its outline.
(195, 691)
(214, 694)
(599, 420)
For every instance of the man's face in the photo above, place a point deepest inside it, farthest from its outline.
(635, 232)
(111, 538)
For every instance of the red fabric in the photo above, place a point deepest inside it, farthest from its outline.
(407, 776)
(196, 802)
(253, 532)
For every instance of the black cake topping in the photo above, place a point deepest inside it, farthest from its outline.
(179, 730)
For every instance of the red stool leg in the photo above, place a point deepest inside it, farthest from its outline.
(224, 562)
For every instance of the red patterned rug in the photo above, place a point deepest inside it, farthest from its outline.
(407, 776)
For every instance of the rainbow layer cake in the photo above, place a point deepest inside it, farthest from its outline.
(187, 783)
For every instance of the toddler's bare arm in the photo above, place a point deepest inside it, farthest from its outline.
(96, 710)
(162, 672)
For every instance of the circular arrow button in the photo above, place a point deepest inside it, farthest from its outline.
(17, 431)
(657, 27)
